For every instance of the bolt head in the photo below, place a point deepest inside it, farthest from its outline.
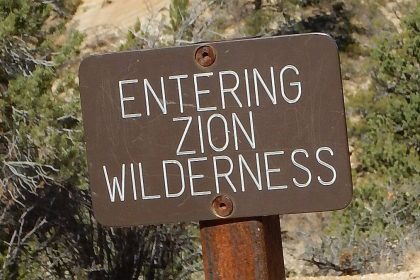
(205, 56)
(222, 206)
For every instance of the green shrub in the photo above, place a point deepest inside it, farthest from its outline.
(381, 225)
(47, 228)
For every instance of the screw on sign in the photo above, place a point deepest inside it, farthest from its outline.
(231, 134)
(222, 206)
(205, 56)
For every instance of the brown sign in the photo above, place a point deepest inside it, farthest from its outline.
(259, 131)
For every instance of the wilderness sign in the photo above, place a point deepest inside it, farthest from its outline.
(237, 128)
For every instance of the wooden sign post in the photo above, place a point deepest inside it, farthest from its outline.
(218, 133)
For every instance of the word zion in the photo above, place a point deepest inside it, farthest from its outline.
(131, 180)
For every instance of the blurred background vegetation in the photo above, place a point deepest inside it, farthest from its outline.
(47, 230)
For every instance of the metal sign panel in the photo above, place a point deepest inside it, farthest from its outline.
(258, 130)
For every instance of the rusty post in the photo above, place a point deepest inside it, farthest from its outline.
(242, 249)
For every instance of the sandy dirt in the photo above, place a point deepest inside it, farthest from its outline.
(105, 22)
(411, 275)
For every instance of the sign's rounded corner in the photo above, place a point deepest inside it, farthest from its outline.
(84, 64)
(328, 38)
(103, 221)
(348, 200)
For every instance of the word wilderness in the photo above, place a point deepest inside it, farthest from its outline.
(263, 125)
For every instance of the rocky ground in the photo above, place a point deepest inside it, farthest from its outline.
(397, 276)
(105, 22)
